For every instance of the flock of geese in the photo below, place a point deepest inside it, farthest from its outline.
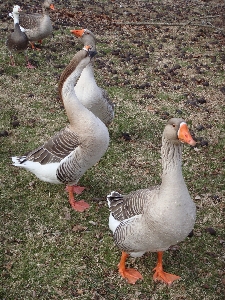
(145, 220)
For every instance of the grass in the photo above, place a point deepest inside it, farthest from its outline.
(51, 252)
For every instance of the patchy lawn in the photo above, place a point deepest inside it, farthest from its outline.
(153, 69)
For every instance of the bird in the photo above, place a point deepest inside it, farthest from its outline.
(153, 219)
(38, 26)
(66, 156)
(17, 40)
(95, 98)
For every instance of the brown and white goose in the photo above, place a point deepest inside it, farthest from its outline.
(17, 41)
(91, 95)
(38, 26)
(154, 219)
(66, 156)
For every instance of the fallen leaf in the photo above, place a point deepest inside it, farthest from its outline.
(78, 228)
(150, 108)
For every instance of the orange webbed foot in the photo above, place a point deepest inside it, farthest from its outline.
(79, 206)
(131, 275)
(160, 274)
(167, 278)
(76, 205)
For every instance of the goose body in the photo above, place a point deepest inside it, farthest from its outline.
(17, 41)
(92, 96)
(154, 219)
(38, 26)
(66, 156)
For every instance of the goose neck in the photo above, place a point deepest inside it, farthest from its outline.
(16, 18)
(88, 71)
(171, 157)
(68, 79)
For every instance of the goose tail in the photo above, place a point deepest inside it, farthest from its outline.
(113, 196)
(18, 160)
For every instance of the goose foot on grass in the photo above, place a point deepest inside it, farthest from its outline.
(81, 205)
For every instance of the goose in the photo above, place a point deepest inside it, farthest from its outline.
(153, 219)
(38, 26)
(92, 96)
(17, 41)
(66, 156)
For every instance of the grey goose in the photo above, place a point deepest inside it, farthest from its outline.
(153, 219)
(66, 156)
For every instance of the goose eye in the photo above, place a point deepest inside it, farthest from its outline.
(174, 125)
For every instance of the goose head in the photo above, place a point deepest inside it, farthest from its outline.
(15, 14)
(48, 4)
(176, 131)
(85, 35)
(16, 10)
(81, 58)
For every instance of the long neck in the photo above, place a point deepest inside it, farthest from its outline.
(16, 18)
(171, 160)
(68, 79)
(88, 72)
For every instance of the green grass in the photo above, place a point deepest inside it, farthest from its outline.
(51, 252)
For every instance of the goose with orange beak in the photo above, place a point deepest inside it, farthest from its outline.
(38, 26)
(153, 219)
(93, 97)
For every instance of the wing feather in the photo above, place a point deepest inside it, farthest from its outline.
(29, 21)
(55, 149)
(128, 206)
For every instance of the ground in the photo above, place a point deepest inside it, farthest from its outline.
(156, 59)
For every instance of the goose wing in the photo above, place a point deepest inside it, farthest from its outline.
(105, 95)
(30, 21)
(128, 206)
(55, 149)
(128, 212)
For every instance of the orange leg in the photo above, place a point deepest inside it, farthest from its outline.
(76, 205)
(131, 275)
(33, 47)
(160, 274)
(76, 189)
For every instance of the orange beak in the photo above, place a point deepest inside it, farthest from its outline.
(87, 48)
(52, 6)
(184, 135)
(78, 33)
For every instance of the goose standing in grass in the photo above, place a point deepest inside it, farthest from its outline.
(91, 95)
(38, 26)
(156, 218)
(17, 41)
(66, 156)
